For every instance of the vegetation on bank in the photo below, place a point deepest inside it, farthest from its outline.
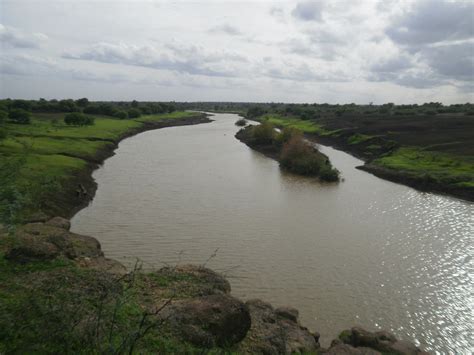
(41, 156)
(440, 138)
(291, 150)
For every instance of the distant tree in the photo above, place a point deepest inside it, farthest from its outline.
(3, 116)
(21, 104)
(68, 106)
(135, 104)
(20, 116)
(121, 114)
(134, 113)
(255, 111)
(82, 102)
(78, 119)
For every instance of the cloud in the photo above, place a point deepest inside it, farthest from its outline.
(14, 38)
(226, 29)
(183, 59)
(308, 11)
(432, 21)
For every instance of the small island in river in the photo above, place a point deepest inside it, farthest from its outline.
(293, 152)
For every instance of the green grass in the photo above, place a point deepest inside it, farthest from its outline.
(302, 125)
(32, 156)
(442, 167)
(165, 116)
(359, 138)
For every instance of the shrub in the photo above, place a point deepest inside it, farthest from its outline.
(134, 113)
(78, 119)
(3, 116)
(286, 134)
(241, 122)
(121, 114)
(264, 133)
(20, 116)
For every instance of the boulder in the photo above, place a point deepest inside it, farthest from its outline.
(215, 320)
(380, 341)
(277, 331)
(59, 222)
(102, 264)
(46, 241)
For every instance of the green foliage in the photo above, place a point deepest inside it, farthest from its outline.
(286, 134)
(19, 116)
(241, 122)
(121, 114)
(82, 102)
(263, 133)
(3, 116)
(359, 138)
(78, 119)
(255, 111)
(134, 113)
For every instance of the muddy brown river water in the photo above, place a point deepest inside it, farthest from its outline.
(363, 252)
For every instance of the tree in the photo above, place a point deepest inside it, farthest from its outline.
(135, 104)
(134, 113)
(82, 102)
(20, 116)
(255, 111)
(121, 114)
(78, 119)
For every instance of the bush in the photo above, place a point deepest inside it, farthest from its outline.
(134, 113)
(3, 116)
(78, 119)
(263, 133)
(299, 157)
(286, 134)
(121, 114)
(20, 116)
(241, 122)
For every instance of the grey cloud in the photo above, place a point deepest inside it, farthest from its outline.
(191, 60)
(11, 37)
(454, 61)
(226, 29)
(303, 72)
(432, 21)
(392, 65)
(25, 65)
(308, 11)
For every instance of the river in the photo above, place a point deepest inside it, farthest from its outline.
(362, 252)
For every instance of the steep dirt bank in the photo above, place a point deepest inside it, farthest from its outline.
(100, 307)
(80, 189)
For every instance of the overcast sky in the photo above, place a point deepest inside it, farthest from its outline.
(295, 51)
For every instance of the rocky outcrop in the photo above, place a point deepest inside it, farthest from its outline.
(209, 321)
(360, 341)
(277, 331)
(53, 240)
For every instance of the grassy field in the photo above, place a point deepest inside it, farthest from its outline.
(46, 153)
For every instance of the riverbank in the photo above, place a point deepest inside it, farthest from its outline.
(47, 166)
(61, 294)
(427, 166)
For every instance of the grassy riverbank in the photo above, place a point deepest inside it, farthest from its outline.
(46, 165)
(432, 154)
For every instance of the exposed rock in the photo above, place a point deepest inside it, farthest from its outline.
(381, 341)
(345, 349)
(59, 222)
(37, 217)
(102, 264)
(43, 241)
(189, 281)
(277, 331)
(288, 313)
(215, 320)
